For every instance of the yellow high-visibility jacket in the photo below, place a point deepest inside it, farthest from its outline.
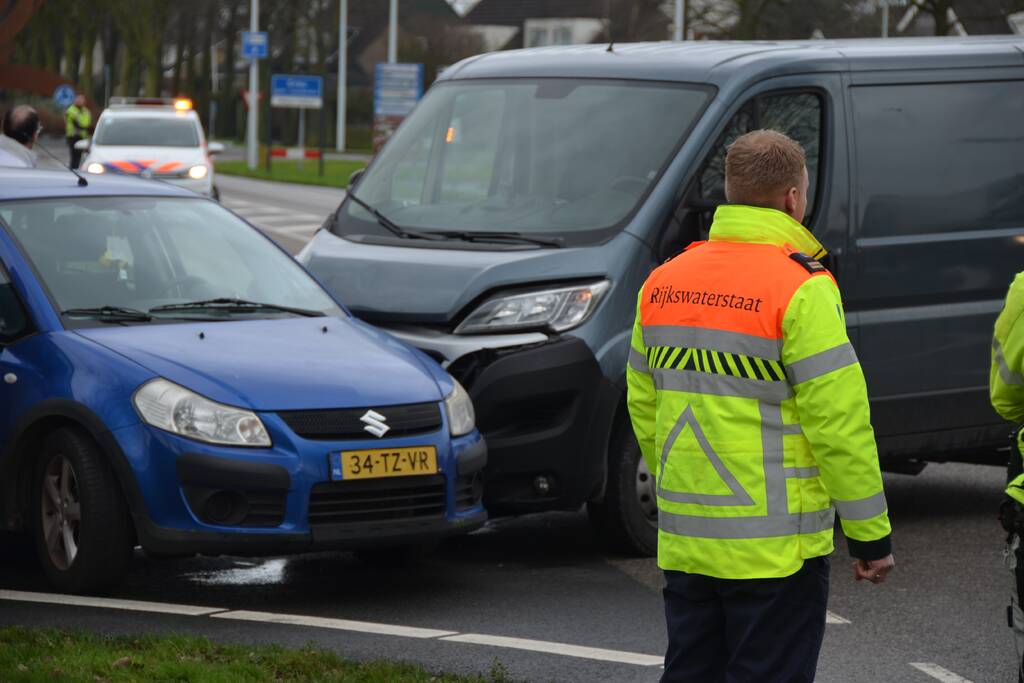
(750, 406)
(77, 121)
(1005, 381)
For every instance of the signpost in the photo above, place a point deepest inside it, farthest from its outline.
(396, 90)
(255, 46)
(63, 96)
(293, 91)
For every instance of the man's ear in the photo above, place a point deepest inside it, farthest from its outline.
(792, 200)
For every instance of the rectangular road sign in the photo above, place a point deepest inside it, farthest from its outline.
(397, 88)
(296, 92)
(254, 44)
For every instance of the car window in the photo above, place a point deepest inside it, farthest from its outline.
(143, 252)
(939, 157)
(150, 131)
(14, 321)
(798, 115)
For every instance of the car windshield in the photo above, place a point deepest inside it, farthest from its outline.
(148, 131)
(135, 254)
(556, 157)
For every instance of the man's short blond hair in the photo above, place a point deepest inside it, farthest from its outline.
(762, 165)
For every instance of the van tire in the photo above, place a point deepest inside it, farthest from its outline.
(100, 531)
(621, 519)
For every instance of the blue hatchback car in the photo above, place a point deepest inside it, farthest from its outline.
(173, 379)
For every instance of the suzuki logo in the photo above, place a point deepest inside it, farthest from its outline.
(375, 423)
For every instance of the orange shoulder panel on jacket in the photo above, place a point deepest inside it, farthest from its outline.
(732, 286)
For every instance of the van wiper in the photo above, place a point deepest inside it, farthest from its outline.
(392, 227)
(109, 314)
(488, 236)
(230, 304)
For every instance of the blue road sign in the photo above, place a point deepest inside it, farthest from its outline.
(296, 92)
(397, 88)
(254, 44)
(63, 96)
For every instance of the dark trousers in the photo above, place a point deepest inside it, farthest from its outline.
(745, 631)
(76, 155)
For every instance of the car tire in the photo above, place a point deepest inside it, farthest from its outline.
(627, 518)
(79, 517)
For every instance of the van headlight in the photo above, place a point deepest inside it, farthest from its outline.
(459, 407)
(175, 409)
(557, 309)
(95, 168)
(198, 172)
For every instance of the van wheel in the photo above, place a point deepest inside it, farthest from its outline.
(627, 519)
(80, 522)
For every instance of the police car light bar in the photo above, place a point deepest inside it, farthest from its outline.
(180, 104)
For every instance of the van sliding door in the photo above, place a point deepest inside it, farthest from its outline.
(938, 228)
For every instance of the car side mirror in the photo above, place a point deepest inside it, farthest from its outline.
(214, 148)
(82, 145)
(354, 178)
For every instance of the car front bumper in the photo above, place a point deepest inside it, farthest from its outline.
(202, 498)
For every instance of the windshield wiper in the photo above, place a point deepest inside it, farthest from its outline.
(109, 314)
(229, 304)
(488, 236)
(392, 227)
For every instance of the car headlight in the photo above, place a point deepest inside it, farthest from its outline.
(198, 172)
(459, 407)
(175, 409)
(95, 167)
(558, 309)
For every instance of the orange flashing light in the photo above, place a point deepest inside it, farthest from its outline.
(183, 104)
(449, 137)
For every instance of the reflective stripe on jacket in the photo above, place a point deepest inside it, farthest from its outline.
(1005, 381)
(750, 406)
(77, 121)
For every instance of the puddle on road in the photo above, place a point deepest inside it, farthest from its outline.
(262, 573)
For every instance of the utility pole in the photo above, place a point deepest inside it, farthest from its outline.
(393, 33)
(885, 18)
(679, 31)
(342, 73)
(254, 92)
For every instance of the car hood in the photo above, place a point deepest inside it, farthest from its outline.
(157, 161)
(279, 364)
(394, 284)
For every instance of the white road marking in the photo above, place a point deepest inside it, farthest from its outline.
(337, 624)
(832, 618)
(108, 603)
(238, 203)
(307, 228)
(938, 673)
(558, 649)
(266, 210)
(306, 217)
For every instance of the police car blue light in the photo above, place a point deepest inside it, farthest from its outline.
(173, 379)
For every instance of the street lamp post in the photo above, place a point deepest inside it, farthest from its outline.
(679, 31)
(254, 91)
(342, 72)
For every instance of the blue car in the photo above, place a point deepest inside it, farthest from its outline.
(173, 379)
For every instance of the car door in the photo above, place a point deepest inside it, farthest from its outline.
(938, 232)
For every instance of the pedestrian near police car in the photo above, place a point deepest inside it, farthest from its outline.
(77, 120)
(1006, 390)
(20, 132)
(751, 409)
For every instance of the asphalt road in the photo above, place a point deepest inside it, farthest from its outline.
(538, 597)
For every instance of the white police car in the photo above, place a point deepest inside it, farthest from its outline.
(153, 138)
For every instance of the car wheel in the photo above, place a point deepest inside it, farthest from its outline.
(627, 519)
(80, 521)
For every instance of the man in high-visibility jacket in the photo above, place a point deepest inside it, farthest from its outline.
(751, 409)
(1006, 389)
(77, 119)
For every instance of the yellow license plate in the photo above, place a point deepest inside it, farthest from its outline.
(386, 462)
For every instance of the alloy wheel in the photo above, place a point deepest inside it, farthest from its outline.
(61, 511)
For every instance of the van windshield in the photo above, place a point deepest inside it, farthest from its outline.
(552, 157)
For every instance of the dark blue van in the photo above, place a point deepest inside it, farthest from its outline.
(507, 226)
(173, 379)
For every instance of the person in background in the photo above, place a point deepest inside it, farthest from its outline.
(77, 120)
(20, 130)
(1006, 390)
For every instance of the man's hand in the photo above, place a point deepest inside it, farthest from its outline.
(874, 571)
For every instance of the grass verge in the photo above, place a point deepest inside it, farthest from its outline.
(38, 656)
(336, 171)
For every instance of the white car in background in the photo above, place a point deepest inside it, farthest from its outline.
(153, 138)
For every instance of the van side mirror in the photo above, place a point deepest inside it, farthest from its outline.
(82, 145)
(354, 178)
(214, 148)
